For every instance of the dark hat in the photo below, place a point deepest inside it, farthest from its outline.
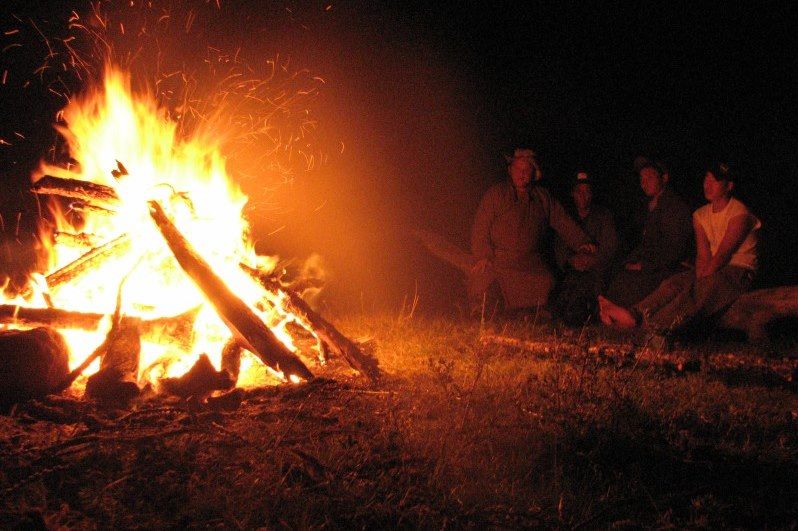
(521, 153)
(645, 162)
(722, 171)
(581, 177)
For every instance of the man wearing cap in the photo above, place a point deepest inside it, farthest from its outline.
(665, 242)
(506, 236)
(585, 273)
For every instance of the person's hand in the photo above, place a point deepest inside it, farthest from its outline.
(588, 248)
(582, 261)
(633, 266)
(481, 266)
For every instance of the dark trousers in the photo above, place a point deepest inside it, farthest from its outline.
(627, 288)
(682, 298)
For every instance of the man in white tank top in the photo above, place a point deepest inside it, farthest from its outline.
(726, 260)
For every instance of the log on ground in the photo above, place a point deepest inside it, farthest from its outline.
(754, 310)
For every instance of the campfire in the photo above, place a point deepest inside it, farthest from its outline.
(153, 277)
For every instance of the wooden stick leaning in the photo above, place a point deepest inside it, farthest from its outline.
(338, 343)
(99, 351)
(89, 260)
(248, 329)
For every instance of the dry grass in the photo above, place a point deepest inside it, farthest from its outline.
(459, 434)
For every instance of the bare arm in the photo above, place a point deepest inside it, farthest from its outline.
(736, 232)
(702, 250)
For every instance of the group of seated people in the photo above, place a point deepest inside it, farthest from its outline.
(657, 286)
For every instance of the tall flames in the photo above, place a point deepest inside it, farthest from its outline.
(125, 141)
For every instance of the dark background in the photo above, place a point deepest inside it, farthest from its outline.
(427, 98)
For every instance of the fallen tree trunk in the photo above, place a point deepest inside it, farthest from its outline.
(249, 330)
(754, 310)
(335, 340)
(93, 194)
(442, 248)
(631, 355)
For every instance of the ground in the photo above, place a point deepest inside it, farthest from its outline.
(555, 428)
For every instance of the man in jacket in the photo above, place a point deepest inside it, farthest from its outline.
(506, 237)
(665, 242)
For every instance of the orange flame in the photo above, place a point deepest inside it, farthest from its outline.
(125, 141)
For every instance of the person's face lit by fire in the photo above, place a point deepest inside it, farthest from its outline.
(716, 189)
(652, 181)
(582, 194)
(521, 172)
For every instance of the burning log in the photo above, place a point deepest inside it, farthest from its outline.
(10, 313)
(335, 340)
(93, 194)
(88, 261)
(81, 239)
(231, 358)
(201, 380)
(174, 326)
(117, 378)
(32, 363)
(248, 329)
(118, 324)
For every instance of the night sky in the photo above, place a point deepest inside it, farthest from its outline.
(427, 98)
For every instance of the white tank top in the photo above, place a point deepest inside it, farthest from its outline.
(715, 225)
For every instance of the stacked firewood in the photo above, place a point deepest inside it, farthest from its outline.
(119, 353)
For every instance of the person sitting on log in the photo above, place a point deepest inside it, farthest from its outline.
(726, 260)
(585, 274)
(665, 241)
(506, 239)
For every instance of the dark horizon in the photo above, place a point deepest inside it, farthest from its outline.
(427, 99)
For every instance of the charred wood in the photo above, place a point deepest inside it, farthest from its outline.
(90, 193)
(248, 329)
(117, 379)
(335, 340)
(32, 363)
(231, 358)
(201, 380)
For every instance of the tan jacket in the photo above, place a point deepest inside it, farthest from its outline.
(508, 229)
